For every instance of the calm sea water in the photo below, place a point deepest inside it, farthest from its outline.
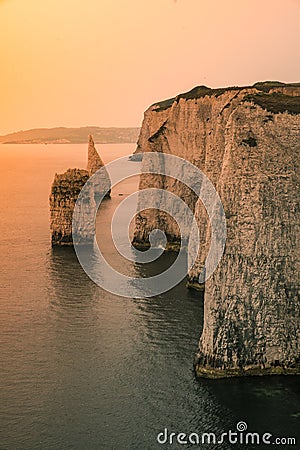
(83, 369)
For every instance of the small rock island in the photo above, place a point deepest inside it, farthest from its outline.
(65, 190)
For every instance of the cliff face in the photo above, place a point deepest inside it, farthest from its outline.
(246, 140)
(65, 190)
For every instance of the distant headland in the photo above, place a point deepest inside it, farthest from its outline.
(63, 135)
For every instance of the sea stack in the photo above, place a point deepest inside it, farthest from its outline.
(94, 161)
(102, 183)
(65, 190)
(247, 141)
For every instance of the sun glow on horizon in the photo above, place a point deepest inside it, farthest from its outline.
(65, 63)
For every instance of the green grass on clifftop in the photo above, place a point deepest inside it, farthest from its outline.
(276, 102)
(196, 92)
(273, 102)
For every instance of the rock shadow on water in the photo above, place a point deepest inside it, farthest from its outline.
(72, 289)
(164, 315)
(267, 404)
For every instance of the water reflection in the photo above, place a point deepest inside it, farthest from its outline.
(171, 324)
(139, 352)
(72, 289)
(137, 356)
(267, 404)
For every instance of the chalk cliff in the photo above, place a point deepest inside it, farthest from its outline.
(246, 140)
(65, 190)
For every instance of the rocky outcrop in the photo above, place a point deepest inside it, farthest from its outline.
(102, 184)
(64, 193)
(246, 140)
(65, 190)
(94, 161)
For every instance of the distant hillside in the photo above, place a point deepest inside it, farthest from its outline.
(64, 135)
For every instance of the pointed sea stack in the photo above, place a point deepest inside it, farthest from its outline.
(65, 190)
(94, 161)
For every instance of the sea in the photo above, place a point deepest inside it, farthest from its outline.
(82, 368)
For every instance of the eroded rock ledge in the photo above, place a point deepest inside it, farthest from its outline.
(247, 141)
(65, 190)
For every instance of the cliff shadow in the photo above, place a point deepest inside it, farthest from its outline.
(267, 404)
(175, 317)
(71, 287)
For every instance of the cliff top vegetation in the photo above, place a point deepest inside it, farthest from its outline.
(274, 102)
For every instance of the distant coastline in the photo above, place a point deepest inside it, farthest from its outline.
(63, 135)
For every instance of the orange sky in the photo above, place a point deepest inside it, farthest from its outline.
(103, 62)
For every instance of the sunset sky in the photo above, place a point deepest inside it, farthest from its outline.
(103, 62)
